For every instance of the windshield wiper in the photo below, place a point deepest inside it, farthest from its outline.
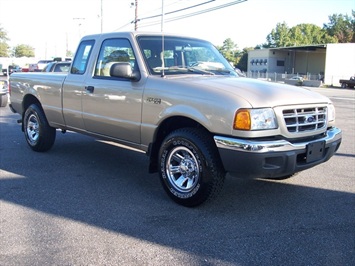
(199, 70)
(223, 71)
(185, 69)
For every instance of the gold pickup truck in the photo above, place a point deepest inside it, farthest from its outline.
(177, 99)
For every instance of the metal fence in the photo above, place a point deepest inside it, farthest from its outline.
(309, 79)
(281, 77)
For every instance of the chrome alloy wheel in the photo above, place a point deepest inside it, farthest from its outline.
(32, 128)
(182, 169)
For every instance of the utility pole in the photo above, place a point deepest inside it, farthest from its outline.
(79, 24)
(101, 18)
(66, 44)
(136, 15)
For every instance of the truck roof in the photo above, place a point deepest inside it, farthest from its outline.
(133, 34)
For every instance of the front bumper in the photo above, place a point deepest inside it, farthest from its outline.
(260, 159)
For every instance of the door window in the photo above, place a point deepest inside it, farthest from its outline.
(82, 57)
(113, 51)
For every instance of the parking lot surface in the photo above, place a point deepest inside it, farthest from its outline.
(88, 202)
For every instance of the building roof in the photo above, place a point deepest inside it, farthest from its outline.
(312, 47)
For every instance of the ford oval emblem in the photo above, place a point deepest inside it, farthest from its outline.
(308, 119)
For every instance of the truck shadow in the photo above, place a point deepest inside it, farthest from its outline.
(105, 186)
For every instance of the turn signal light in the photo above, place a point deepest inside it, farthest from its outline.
(242, 120)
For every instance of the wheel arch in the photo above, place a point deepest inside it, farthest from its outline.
(167, 126)
(27, 101)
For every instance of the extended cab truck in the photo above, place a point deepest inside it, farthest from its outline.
(180, 101)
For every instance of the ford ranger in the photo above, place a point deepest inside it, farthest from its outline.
(180, 101)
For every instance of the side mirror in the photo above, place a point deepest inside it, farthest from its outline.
(124, 70)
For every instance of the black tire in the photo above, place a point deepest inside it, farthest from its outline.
(190, 168)
(39, 135)
(343, 85)
(3, 100)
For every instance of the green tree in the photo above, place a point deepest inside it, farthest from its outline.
(242, 63)
(228, 50)
(341, 27)
(69, 53)
(302, 34)
(305, 34)
(279, 37)
(4, 47)
(23, 50)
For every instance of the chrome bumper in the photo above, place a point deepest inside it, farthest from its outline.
(249, 158)
(332, 135)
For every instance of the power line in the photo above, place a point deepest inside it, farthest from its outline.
(147, 24)
(179, 10)
(194, 13)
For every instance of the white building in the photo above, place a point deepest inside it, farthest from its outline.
(325, 62)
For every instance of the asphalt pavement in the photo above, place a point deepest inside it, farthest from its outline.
(88, 202)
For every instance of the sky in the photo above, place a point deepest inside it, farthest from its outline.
(53, 26)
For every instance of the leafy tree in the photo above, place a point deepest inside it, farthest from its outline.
(23, 50)
(342, 27)
(228, 49)
(279, 37)
(69, 53)
(4, 47)
(302, 34)
(242, 63)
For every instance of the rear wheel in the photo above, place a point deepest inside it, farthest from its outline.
(190, 167)
(343, 85)
(39, 135)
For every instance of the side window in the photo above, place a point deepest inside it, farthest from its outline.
(82, 57)
(113, 51)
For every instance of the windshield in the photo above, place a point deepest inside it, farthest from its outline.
(179, 55)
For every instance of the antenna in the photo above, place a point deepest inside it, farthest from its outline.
(162, 39)
(162, 15)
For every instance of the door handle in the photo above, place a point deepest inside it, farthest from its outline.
(90, 89)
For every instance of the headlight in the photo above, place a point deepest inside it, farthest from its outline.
(255, 119)
(331, 112)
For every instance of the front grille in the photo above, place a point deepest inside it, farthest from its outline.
(305, 119)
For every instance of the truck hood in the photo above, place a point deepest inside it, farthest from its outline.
(258, 93)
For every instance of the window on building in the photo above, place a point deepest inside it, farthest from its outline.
(280, 63)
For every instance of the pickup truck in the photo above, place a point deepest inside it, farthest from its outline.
(177, 99)
(348, 82)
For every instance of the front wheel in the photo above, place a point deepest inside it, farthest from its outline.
(39, 135)
(190, 168)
